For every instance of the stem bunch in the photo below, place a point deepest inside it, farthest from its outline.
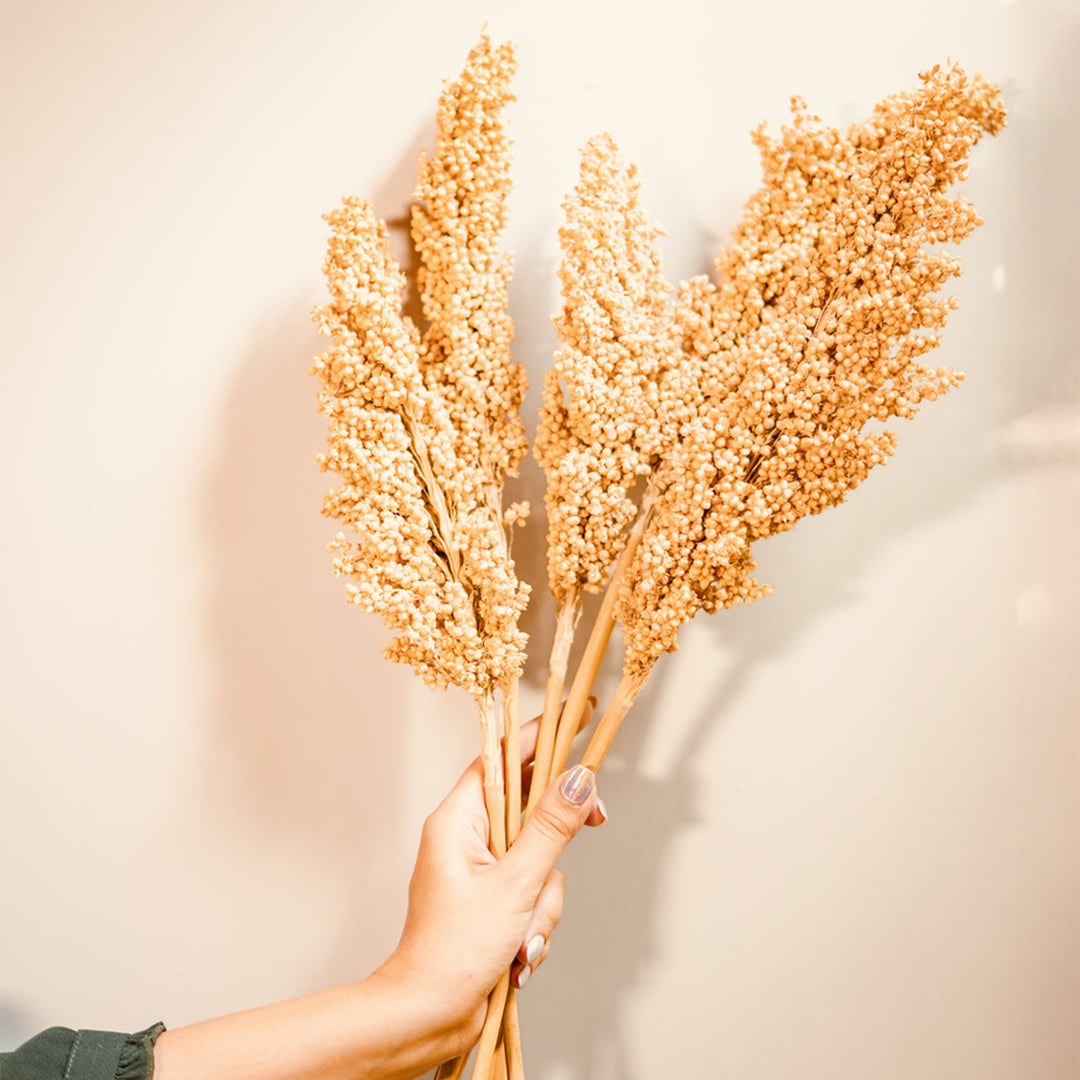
(679, 426)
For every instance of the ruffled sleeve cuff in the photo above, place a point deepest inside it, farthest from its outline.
(63, 1054)
(137, 1055)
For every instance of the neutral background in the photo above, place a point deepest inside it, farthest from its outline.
(843, 837)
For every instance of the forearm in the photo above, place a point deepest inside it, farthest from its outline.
(470, 918)
(384, 1028)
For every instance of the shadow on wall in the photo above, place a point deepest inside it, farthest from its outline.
(305, 702)
(309, 713)
(573, 1015)
(573, 1023)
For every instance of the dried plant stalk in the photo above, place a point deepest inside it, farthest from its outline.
(512, 757)
(599, 430)
(429, 557)
(599, 427)
(493, 1026)
(599, 637)
(565, 621)
(452, 1070)
(735, 407)
(814, 327)
(424, 428)
(512, 1034)
(619, 705)
(457, 221)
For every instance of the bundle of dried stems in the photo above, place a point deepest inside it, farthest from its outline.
(424, 428)
(678, 426)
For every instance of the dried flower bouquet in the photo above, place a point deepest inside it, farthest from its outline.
(678, 426)
(745, 406)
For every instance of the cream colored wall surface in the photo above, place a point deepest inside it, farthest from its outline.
(843, 836)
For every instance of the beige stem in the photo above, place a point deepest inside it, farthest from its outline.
(620, 703)
(495, 802)
(499, 1069)
(512, 771)
(494, 791)
(512, 1034)
(440, 517)
(599, 637)
(491, 754)
(511, 1030)
(485, 1048)
(565, 621)
(452, 1070)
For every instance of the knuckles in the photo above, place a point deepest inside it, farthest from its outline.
(553, 826)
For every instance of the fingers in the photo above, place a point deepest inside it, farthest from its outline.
(529, 734)
(562, 810)
(545, 917)
(468, 793)
(472, 780)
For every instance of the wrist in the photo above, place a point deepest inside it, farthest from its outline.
(444, 1017)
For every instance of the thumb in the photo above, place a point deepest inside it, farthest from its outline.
(560, 813)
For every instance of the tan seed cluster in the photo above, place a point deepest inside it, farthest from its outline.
(464, 276)
(822, 309)
(422, 430)
(599, 430)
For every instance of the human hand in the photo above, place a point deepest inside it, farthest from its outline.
(471, 916)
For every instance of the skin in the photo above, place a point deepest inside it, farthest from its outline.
(469, 918)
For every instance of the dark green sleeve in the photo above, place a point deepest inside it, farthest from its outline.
(63, 1054)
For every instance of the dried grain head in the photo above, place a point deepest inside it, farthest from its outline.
(422, 549)
(464, 275)
(599, 429)
(822, 308)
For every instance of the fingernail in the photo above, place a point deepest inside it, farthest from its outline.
(578, 784)
(534, 948)
(522, 977)
(601, 807)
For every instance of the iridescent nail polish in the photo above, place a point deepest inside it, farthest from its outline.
(578, 784)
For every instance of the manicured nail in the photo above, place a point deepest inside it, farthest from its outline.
(522, 977)
(578, 784)
(601, 807)
(534, 948)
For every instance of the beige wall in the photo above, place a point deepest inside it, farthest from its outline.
(844, 821)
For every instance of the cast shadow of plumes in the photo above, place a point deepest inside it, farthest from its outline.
(573, 1015)
(303, 697)
(307, 733)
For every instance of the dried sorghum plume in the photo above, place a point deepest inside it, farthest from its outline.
(599, 429)
(815, 326)
(423, 430)
(463, 275)
(429, 556)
